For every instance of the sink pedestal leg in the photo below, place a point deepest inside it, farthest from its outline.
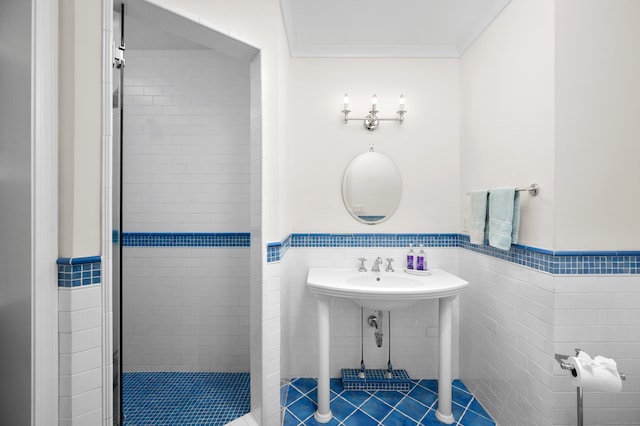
(443, 413)
(323, 414)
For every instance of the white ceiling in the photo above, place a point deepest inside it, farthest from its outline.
(148, 26)
(386, 28)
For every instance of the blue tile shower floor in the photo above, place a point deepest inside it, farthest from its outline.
(388, 408)
(173, 398)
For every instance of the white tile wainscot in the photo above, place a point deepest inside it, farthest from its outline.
(513, 319)
(80, 348)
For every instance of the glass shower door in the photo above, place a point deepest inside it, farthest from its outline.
(118, 78)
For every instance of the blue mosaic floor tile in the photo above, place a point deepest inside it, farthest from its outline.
(376, 408)
(341, 409)
(412, 408)
(289, 419)
(423, 396)
(385, 408)
(336, 385)
(304, 385)
(457, 411)
(170, 398)
(396, 418)
(390, 397)
(432, 385)
(293, 395)
(356, 397)
(359, 418)
(303, 408)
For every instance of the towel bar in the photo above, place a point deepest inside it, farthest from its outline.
(532, 189)
(562, 360)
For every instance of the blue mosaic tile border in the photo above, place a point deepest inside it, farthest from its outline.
(277, 250)
(185, 239)
(553, 262)
(563, 262)
(373, 240)
(79, 271)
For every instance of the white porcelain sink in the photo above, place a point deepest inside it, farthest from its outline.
(383, 290)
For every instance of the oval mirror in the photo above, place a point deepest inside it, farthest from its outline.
(371, 188)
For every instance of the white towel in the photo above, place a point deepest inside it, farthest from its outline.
(478, 217)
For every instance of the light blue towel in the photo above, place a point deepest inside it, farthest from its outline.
(504, 217)
(478, 217)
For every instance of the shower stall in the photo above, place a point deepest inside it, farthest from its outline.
(181, 210)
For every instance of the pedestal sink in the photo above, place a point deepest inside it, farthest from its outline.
(385, 291)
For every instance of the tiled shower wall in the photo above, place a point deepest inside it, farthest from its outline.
(187, 169)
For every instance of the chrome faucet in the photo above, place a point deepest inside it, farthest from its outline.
(376, 265)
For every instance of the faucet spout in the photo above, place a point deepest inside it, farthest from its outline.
(376, 265)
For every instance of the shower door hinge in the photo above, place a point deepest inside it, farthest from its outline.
(119, 61)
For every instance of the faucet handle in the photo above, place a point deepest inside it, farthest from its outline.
(362, 267)
(389, 267)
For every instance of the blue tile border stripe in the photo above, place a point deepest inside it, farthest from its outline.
(373, 240)
(554, 262)
(79, 271)
(184, 239)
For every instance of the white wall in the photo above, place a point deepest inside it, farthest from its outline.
(15, 211)
(80, 112)
(597, 51)
(321, 146)
(186, 169)
(507, 110)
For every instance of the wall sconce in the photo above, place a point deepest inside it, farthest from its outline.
(372, 120)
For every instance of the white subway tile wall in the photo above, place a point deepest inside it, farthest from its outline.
(414, 331)
(186, 309)
(187, 169)
(514, 319)
(80, 349)
(186, 142)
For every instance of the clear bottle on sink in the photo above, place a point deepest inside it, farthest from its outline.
(421, 260)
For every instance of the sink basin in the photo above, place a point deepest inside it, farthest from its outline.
(384, 290)
(380, 281)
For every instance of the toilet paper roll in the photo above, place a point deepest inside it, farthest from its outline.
(599, 374)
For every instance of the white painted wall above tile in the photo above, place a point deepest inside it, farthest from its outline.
(424, 147)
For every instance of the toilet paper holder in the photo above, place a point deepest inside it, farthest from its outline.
(563, 360)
